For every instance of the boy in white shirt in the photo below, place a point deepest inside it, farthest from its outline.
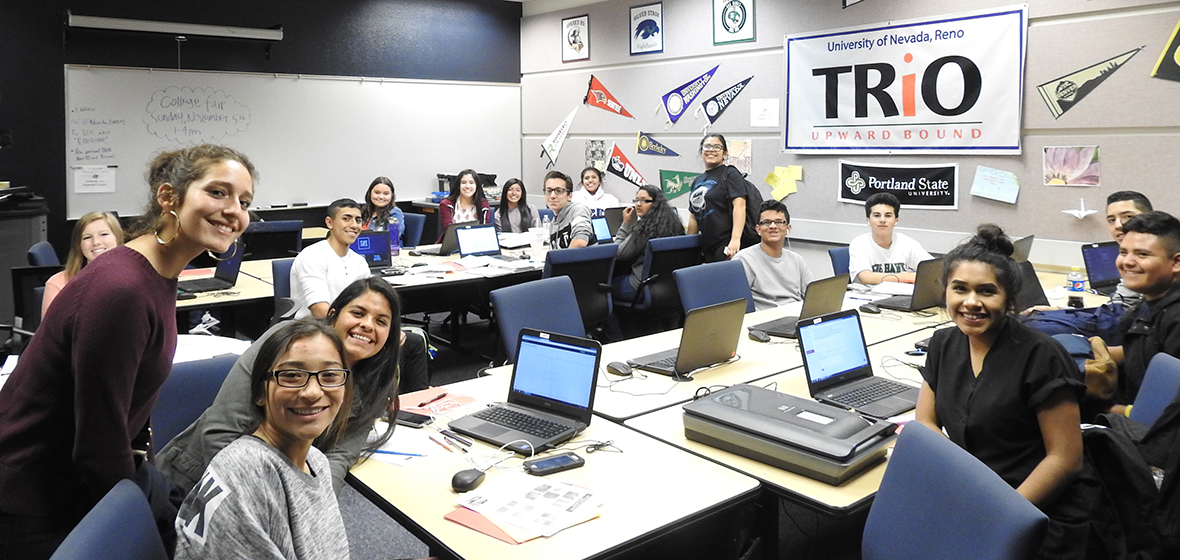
(777, 276)
(322, 270)
(882, 254)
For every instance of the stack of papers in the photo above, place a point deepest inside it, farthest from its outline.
(524, 507)
(893, 289)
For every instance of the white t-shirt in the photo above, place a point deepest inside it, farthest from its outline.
(903, 255)
(774, 282)
(319, 275)
(600, 198)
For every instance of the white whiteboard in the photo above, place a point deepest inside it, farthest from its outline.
(313, 139)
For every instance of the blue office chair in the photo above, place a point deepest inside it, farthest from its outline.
(185, 395)
(42, 254)
(280, 271)
(412, 229)
(1161, 386)
(713, 283)
(548, 304)
(938, 501)
(120, 526)
(273, 240)
(839, 256)
(657, 292)
(590, 269)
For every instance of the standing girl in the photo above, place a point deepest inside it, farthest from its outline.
(718, 204)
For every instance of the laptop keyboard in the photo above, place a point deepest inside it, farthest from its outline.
(526, 423)
(869, 393)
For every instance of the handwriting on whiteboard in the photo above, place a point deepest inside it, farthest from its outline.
(195, 115)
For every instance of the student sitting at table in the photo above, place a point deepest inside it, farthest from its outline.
(592, 194)
(268, 494)
(94, 234)
(379, 207)
(777, 276)
(883, 254)
(1007, 393)
(323, 269)
(466, 203)
(515, 214)
(571, 224)
(649, 218)
(366, 317)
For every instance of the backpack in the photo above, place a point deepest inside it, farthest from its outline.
(753, 213)
(1101, 321)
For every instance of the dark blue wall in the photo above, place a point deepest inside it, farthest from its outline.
(471, 40)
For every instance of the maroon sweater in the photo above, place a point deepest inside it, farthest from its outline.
(86, 386)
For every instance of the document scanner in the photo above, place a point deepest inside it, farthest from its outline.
(800, 435)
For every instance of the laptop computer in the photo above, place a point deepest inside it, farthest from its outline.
(822, 297)
(450, 242)
(614, 218)
(223, 278)
(1101, 270)
(927, 289)
(1031, 291)
(601, 230)
(1021, 248)
(374, 247)
(710, 336)
(551, 397)
(836, 365)
(480, 241)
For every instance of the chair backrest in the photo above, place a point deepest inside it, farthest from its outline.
(273, 240)
(590, 269)
(1161, 386)
(42, 254)
(280, 273)
(119, 526)
(25, 303)
(187, 392)
(548, 304)
(663, 256)
(839, 256)
(412, 229)
(713, 283)
(938, 501)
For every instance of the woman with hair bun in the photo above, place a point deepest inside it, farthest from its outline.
(1007, 393)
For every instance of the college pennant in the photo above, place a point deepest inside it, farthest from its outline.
(645, 144)
(1168, 66)
(552, 145)
(618, 165)
(717, 104)
(676, 183)
(1062, 94)
(598, 96)
(677, 100)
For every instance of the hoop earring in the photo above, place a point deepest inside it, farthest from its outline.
(213, 255)
(161, 241)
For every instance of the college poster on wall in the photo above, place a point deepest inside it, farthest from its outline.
(931, 187)
(647, 29)
(733, 21)
(575, 39)
(943, 84)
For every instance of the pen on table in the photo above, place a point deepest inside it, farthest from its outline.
(398, 453)
(455, 443)
(435, 399)
(441, 444)
(466, 442)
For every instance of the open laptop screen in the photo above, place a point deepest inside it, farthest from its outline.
(832, 346)
(555, 370)
(601, 230)
(1100, 262)
(373, 246)
(478, 240)
(228, 269)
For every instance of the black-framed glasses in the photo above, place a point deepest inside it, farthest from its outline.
(712, 148)
(768, 223)
(555, 191)
(298, 378)
(641, 201)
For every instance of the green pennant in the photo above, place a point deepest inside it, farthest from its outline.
(676, 183)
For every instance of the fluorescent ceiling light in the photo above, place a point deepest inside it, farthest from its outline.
(118, 24)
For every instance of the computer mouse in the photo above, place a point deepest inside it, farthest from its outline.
(870, 308)
(619, 368)
(465, 481)
(758, 335)
(415, 254)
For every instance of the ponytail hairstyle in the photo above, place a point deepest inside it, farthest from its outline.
(181, 168)
(992, 247)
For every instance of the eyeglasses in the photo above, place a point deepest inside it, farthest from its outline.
(298, 378)
(555, 191)
(768, 223)
(712, 148)
(641, 201)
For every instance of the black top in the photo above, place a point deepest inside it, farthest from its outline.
(711, 202)
(1150, 327)
(994, 416)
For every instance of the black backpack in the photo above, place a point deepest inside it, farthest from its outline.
(753, 213)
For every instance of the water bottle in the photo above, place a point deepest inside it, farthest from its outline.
(547, 223)
(1077, 282)
(395, 237)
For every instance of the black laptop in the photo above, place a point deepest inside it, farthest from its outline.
(225, 276)
(838, 371)
(614, 218)
(450, 242)
(551, 398)
(710, 336)
(1031, 291)
(602, 232)
(374, 247)
(1101, 270)
(822, 297)
(927, 289)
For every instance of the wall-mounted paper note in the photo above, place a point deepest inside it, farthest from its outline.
(94, 179)
(782, 181)
(995, 184)
(764, 112)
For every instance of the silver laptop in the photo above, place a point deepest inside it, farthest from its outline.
(836, 364)
(1021, 248)
(710, 336)
(480, 241)
(551, 398)
(928, 290)
(224, 278)
(822, 296)
(449, 244)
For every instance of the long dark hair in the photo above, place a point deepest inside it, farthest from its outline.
(370, 210)
(659, 220)
(992, 247)
(522, 207)
(374, 378)
(477, 199)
